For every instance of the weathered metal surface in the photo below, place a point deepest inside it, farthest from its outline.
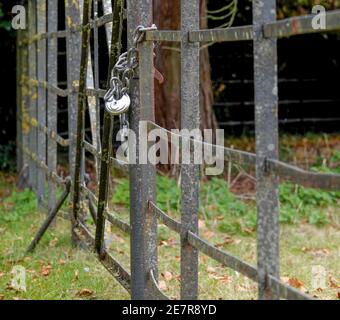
(163, 35)
(110, 263)
(34, 158)
(142, 176)
(286, 291)
(244, 33)
(164, 218)
(225, 258)
(80, 132)
(107, 133)
(51, 216)
(190, 173)
(300, 25)
(326, 181)
(41, 108)
(73, 45)
(123, 226)
(52, 104)
(266, 120)
(32, 72)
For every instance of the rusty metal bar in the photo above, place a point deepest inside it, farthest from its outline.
(286, 291)
(107, 132)
(51, 216)
(244, 33)
(123, 226)
(327, 181)
(300, 25)
(110, 263)
(41, 108)
(73, 45)
(52, 104)
(266, 124)
(164, 218)
(79, 156)
(163, 35)
(23, 108)
(32, 57)
(224, 258)
(190, 173)
(142, 176)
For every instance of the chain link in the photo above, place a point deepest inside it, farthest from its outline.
(117, 100)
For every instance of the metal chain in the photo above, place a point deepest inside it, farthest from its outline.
(117, 100)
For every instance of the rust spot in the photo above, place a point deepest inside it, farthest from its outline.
(295, 26)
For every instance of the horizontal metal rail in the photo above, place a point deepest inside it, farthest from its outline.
(236, 156)
(123, 226)
(286, 291)
(327, 181)
(120, 165)
(163, 35)
(110, 263)
(50, 174)
(224, 258)
(244, 33)
(300, 25)
(164, 218)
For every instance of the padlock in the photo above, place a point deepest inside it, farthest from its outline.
(117, 107)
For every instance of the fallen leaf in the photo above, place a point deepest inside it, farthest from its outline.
(201, 224)
(45, 270)
(162, 285)
(167, 275)
(333, 283)
(211, 269)
(61, 262)
(53, 242)
(296, 283)
(338, 294)
(83, 293)
(2, 297)
(222, 279)
(2, 274)
(208, 234)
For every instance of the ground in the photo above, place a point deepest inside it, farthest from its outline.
(310, 236)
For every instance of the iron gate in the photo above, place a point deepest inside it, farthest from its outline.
(38, 137)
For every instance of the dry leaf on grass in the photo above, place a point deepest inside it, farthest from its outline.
(83, 293)
(61, 262)
(2, 297)
(294, 282)
(45, 270)
(333, 283)
(338, 294)
(167, 275)
(162, 285)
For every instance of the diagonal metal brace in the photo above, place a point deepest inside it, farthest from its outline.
(53, 213)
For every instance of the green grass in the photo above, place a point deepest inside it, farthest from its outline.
(310, 236)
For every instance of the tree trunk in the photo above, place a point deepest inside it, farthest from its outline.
(167, 17)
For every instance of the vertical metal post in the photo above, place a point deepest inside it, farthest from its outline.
(266, 120)
(190, 173)
(24, 104)
(52, 101)
(142, 176)
(116, 32)
(32, 73)
(19, 83)
(41, 111)
(73, 46)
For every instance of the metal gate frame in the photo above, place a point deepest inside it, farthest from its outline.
(142, 283)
